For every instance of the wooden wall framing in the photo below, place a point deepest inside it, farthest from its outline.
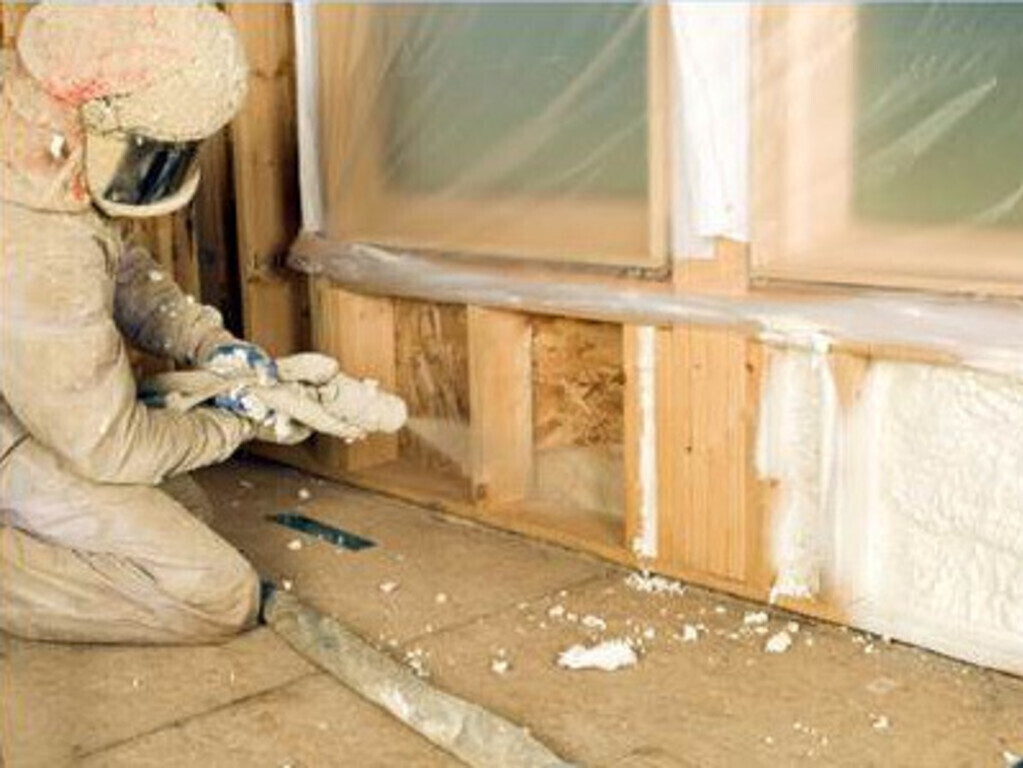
(711, 512)
(264, 140)
(476, 373)
(710, 515)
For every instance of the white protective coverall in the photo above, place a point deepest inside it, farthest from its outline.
(91, 549)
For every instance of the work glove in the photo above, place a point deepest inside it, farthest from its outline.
(235, 361)
(243, 362)
(240, 360)
(313, 391)
(282, 429)
(309, 394)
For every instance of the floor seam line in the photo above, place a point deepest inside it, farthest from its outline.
(180, 722)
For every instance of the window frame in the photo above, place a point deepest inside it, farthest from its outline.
(608, 233)
(804, 227)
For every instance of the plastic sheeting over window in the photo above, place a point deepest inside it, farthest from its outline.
(885, 137)
(889, 144)
(638, 123)
(939, 114)
(533, 130)
(710, 113)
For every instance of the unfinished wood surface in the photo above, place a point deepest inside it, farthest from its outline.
(726, 274)
(216, 232)
(670, 492)
(359, 332)
(711, 519)
(265, 166)
(501, 403)
(578, 383)
(11, 14)
(186, 253)
(277, 315)
(432, 375)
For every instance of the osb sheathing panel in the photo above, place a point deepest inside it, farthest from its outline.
(431, 342)
(578, 383)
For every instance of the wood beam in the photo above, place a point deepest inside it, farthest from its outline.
(500, 405)
(359, 332)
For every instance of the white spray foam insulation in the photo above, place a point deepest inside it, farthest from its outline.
(945, 563)
(926, 508)
(645, 542)
(789, 454)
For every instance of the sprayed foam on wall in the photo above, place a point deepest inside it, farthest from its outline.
(915, 523)
(789, 452)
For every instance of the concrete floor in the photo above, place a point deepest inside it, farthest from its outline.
(458, 597)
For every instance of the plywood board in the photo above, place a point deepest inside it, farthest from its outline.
(216, 231)
(578, 383)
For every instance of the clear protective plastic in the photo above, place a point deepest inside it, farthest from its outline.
(884, 137)
(513, 129)
(887, 143)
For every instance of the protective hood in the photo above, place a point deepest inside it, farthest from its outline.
(171, 74)
(41, 145)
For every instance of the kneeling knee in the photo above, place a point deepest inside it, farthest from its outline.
(240, 600)
(228, 598)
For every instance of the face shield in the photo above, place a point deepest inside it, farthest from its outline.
(135, 176)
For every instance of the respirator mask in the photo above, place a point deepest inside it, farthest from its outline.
(137, 176)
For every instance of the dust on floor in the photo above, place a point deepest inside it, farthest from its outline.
(487, 615)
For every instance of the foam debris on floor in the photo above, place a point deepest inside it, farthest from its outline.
(603, 665)
(608, 656)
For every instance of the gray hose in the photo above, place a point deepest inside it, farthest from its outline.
(471, 733)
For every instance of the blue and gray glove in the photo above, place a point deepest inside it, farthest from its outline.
(241, 360)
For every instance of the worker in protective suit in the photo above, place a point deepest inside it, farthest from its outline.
(103, 109)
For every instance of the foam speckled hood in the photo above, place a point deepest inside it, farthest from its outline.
(169, 72)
